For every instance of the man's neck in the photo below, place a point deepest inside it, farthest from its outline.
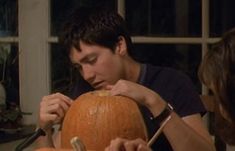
(133, 71)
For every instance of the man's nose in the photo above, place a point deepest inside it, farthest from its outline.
(88, 73)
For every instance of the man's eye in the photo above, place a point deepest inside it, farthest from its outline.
(92, 60)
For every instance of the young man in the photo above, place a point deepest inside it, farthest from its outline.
(98, 44)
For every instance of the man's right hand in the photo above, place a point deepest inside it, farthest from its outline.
(52, 110)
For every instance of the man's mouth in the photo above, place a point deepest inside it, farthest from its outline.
(98, 85)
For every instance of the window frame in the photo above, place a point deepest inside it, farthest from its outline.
(34, 40)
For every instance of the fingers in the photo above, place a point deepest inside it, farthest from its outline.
(138, 93)
(57, 96)
(56, 101)
(52, 109)
(120, 144)
(116, 145)
(129, 89)
(122, 87)
(109, 87)
(136, 145)
(142, 147)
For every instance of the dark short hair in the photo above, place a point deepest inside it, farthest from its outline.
(95, 26)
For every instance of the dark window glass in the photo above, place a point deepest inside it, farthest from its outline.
(222, 16)
(164, 17)
(181, 57)
(60, 71)
(60, 9)
(9, 74)
(8, 18)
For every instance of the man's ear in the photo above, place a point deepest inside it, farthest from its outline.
(121, 47)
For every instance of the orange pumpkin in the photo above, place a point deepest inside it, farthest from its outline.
(96, 118)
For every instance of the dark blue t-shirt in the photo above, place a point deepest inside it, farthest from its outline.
(173, 86)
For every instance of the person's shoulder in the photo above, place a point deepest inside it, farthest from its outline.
(164, 71)
(166, 76)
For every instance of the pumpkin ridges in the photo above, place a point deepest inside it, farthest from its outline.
(102, 116)
(132, 115)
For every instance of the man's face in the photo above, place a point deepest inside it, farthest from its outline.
(98, 65)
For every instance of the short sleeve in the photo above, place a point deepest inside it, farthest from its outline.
(186, 100)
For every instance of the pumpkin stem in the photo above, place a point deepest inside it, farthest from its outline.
(77, 144)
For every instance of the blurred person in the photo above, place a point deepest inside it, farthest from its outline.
(217, 72)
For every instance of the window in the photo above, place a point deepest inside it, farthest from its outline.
(9, 74)
(176, 32)
(165, 32)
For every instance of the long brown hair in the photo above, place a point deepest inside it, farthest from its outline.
(217, 72)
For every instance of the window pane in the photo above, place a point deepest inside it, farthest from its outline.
(63, 75)
(9, 74)
(181, 57)
(222, 16)
(8, 18)
(164, 17)
(60, 71)
(62, 8)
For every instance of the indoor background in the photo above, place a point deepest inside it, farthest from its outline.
(173, 33)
